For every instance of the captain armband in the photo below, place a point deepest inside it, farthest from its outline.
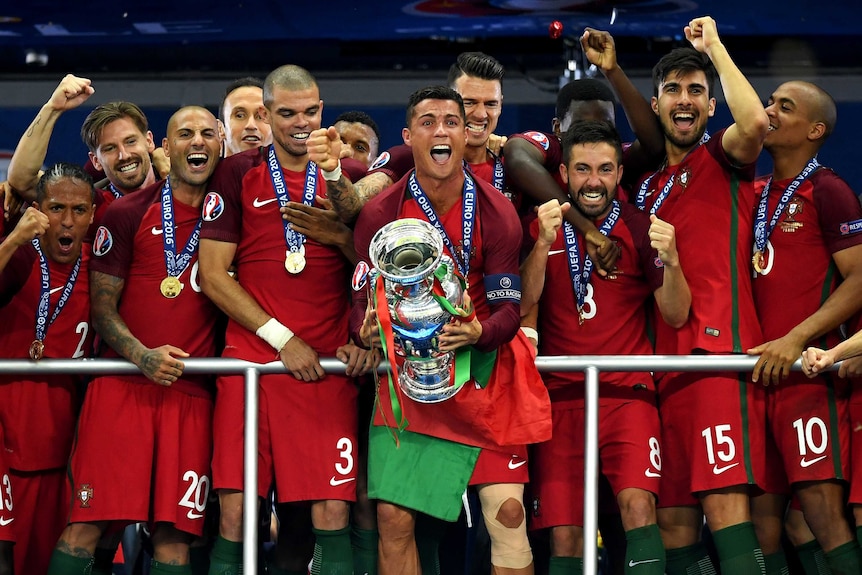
(503, 288)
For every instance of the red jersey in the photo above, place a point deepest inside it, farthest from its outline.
(38, 413)
(129, 245)
(245, 211)
(615, 314)
(799, 273)
(711, 206)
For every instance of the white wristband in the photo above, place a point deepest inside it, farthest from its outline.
(530, 333)
(334, 175)
(274, 333)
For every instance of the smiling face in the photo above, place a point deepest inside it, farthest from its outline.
(438, 136)
(483, 103)
(193, 145)
(796, 117)
(292, 115)
(123, 153)
(683, 107)
(361, 140)
(68, 203)
(592, 176)
(244, 126)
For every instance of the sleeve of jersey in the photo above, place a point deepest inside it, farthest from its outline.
(221, 211)
(501, 238)
(15, 274)
(715, 148)
(548, 146)
(366, 226)
(394, 162)
(114, 244)
(839, 211)
(353, 169)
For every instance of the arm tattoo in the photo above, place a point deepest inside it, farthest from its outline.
(105, 293)
(345, 199)
(35, 123)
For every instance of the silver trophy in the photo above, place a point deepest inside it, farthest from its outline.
(406, 254)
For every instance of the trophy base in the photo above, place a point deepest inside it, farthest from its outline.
(427, 381)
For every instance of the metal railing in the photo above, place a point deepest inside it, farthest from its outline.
(592, 366)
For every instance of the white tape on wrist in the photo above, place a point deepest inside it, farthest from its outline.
(334, 175)
(530, 333)
(274, 333)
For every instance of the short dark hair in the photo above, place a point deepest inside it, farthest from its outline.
(289, 77)
(434, 93)
(682, 61)
(477, 65)
(63, 171)
(104, 114)
(359, 117)
(246, 82)
(582, 90)
(591, 132)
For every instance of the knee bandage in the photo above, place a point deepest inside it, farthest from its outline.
(510, 547)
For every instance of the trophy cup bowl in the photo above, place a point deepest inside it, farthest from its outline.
(406, 254)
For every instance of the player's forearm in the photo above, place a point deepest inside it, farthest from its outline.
(105, 292)
(533, 276)
(31, 151)
(674, 297)
(500, 328)
(639, 113)
(840, 306)
(8, 247)
(749, 116)
(233, 300)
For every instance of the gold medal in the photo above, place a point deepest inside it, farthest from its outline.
(37, 350)
(757, 261)
(294, 262)
(171, 287)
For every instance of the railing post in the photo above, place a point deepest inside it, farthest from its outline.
(249, 503)
(591, 469)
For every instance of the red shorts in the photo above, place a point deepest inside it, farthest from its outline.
(713, 434)
(307, 438)
(808, 420)
(41, 505)
(501, 466)
(855, 408)
(629, 452)
(142, 453)
(9, 505)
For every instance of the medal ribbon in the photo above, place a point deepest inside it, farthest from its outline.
(581, 279)
(761, 231)
(42, 322)
(294, 239)
(499, 178)
(640, 199)
(117, 193)
(468, 216)
(175, 264)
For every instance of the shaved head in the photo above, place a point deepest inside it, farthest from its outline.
(182, 111)
(290, 77)
(821, 105)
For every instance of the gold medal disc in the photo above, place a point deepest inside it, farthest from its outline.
(171, 287)
(757, 261)
(294, 262)
(37, 350)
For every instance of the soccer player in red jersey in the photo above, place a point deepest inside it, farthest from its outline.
(807, 218)
(290, 302)
(44, 294)
(712, 423)
(360, 134)
(244, 128)
(612, 320)
(127, 463)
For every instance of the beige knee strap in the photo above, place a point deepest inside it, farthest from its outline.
(510, 547)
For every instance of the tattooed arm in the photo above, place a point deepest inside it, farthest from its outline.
(26, 162)
(160, 364)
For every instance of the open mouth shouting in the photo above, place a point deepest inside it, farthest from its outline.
(441, 153)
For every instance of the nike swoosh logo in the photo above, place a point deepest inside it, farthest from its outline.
(632, 562)
(260, 203)
(156, 231)
(4, 521)
(513, 465)
(56, 289)
(649, 473)
(336, 482)
(555, 252)
(192, 515)
(719, 470)
(805, 463)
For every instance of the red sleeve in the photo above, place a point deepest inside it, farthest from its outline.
(548, 145)
(839, 211)
(114, 244)
(222, 206)
(395, 162)
(353, 169)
